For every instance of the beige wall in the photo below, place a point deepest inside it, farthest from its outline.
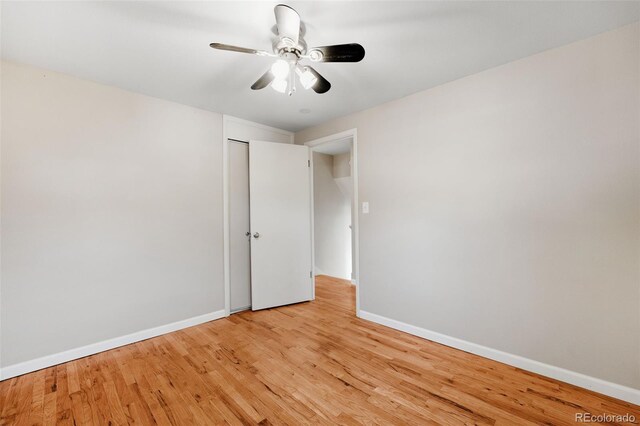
(111, 213)
(331, 218)
(342, 165)
(505, 207)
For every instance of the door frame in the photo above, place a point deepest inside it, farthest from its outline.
(247, 126)
(355, 213)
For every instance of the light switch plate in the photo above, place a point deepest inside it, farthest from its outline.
(365, 207)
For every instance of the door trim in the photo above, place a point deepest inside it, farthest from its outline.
(353, 135)
(226, 135)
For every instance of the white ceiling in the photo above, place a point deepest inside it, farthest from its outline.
(162, 48)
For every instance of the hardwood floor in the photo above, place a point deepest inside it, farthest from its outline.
(311, 363)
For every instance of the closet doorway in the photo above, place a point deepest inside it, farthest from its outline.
(239, 226)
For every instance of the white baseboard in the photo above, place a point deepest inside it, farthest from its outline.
(54, 359)
(578, 379)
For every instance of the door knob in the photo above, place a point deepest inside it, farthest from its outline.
(256, 235)
(247, 234)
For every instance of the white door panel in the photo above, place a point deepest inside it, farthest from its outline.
(279, 179)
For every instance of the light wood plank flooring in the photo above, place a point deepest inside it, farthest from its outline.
(311, 363)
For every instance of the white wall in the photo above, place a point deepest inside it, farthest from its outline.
(111, 213)
(505, 207)
(331, 217)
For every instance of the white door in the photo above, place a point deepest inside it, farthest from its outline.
(279, 179)
(239, 243)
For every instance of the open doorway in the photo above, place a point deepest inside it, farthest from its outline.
(332, 199)
(335, 209)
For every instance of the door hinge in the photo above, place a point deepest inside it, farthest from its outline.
(308, 163)
(310, 274)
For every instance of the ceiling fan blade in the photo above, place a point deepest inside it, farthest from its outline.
(222, 46)
(322, 85)
(352, 52)
(288, 22)
(263, 81)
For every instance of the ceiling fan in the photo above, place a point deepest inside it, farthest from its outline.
(290, 48)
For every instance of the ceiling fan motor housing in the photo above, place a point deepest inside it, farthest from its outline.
(284, 45)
